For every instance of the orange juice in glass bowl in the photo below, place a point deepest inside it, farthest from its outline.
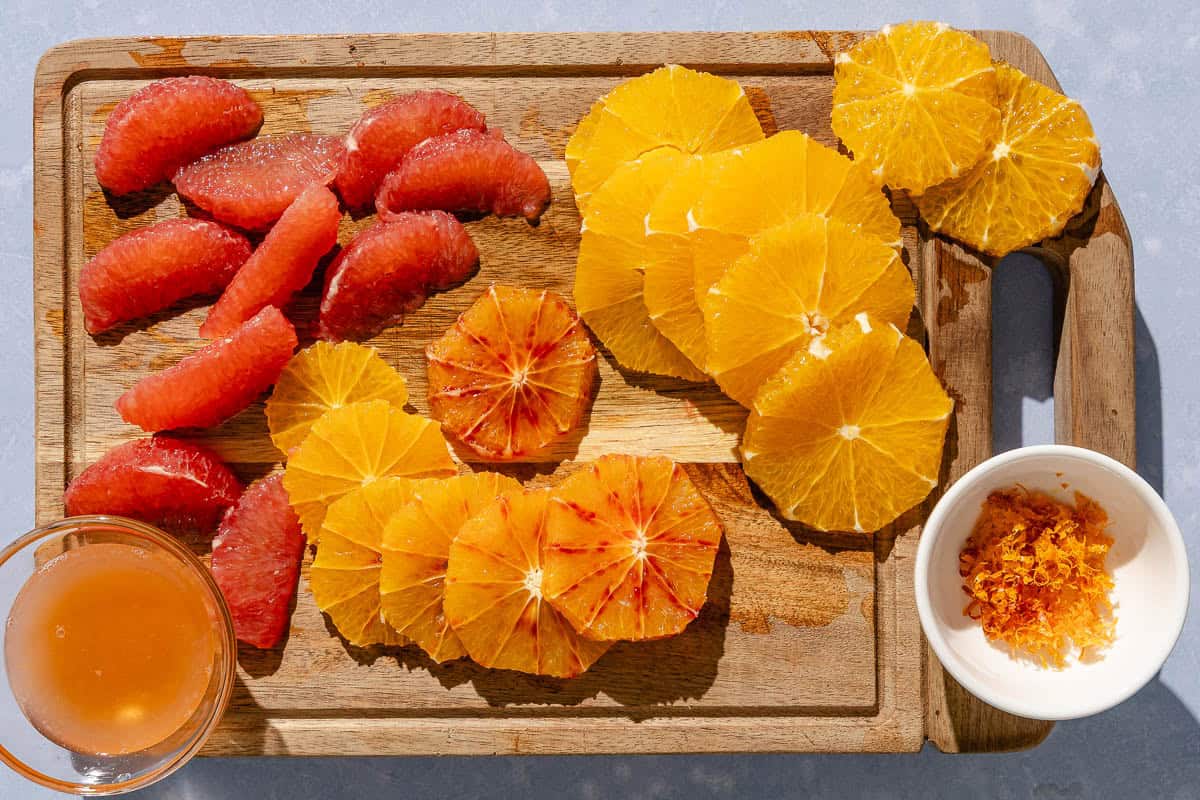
(119, 655)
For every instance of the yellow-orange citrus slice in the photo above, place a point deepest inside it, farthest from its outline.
(355, 445)
(327, 376)
(416, 547)
(494, 598)
(612, 257)
(849, 436)
(766, 184)
(630, 548)
(581, 139)
(798, 281)
(346, 570)
(917, 103)
(1035, 179)
(514, 373)
(691, 112)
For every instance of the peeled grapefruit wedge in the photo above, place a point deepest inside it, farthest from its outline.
(384, 134)
(494, 597)
(160, 480)
(217, 381)
(151, 268)
(250, 184)
(282, 265)
(629, 548)
(256, 558)
(416, 547)
(389, 269)
(170, 123)
(466, 171)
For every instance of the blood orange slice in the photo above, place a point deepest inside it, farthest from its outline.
(384, 135)
(389, 269)
(466, 171)
(151, 268)
(630, 548)
(416, 547)
(160, 480)
(494, 598)
(217, 381)
(357, 445)
(345, 572)
(169, 123)
(282, 265)
(256, 561)
(513, 374)
(250, 184)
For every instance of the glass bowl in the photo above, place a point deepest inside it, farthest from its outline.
(26, 750)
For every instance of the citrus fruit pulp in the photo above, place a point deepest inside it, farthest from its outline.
(389, 269)
(250, 184)
(256, 558)
(167, 124)
(514, 373)
(217, 381)
(384, 134)
(1035, 179)
(282, 264)
(630, 548)
(344, 576)
(796, 282)
(467, 170)
(691, 112)
(356, 445)
(151, 268)
(849, 436)
(612, 255)
(416, 548)
(494, 596)
(324, 377)
(916, 103)
(161, 480)
(577, 145)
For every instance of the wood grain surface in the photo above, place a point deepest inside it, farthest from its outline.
(809, 642)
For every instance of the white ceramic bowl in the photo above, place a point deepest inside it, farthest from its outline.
(1150, 594)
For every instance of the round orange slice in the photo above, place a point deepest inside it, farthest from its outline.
(323, 377)
(355, 445)
(1035, 179)
(630, 548)
(581, 139)
(799, 280)
(494, 597)
(917, 103)
(514, 373)
(346, 570)
(848, 436)
(416, 547)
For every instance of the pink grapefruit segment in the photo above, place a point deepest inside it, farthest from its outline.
(217, 381)
(169, 123)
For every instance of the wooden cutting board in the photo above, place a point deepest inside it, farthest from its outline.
(810, 642)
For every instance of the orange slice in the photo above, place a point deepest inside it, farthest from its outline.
(917, 103)
(346, 570)
(355, 445)
(1036, 178)
(581, 139)
(630, 548)
(799, 280)
(612, 256)
(324, 377)
(416, 547)
(514, 373)
(691, 112)
(766, 184)
(494, 598)
(849, 436)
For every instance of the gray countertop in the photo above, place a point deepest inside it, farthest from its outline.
(1135, 67)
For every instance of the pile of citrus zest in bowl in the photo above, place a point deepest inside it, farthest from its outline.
(1034, 570)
